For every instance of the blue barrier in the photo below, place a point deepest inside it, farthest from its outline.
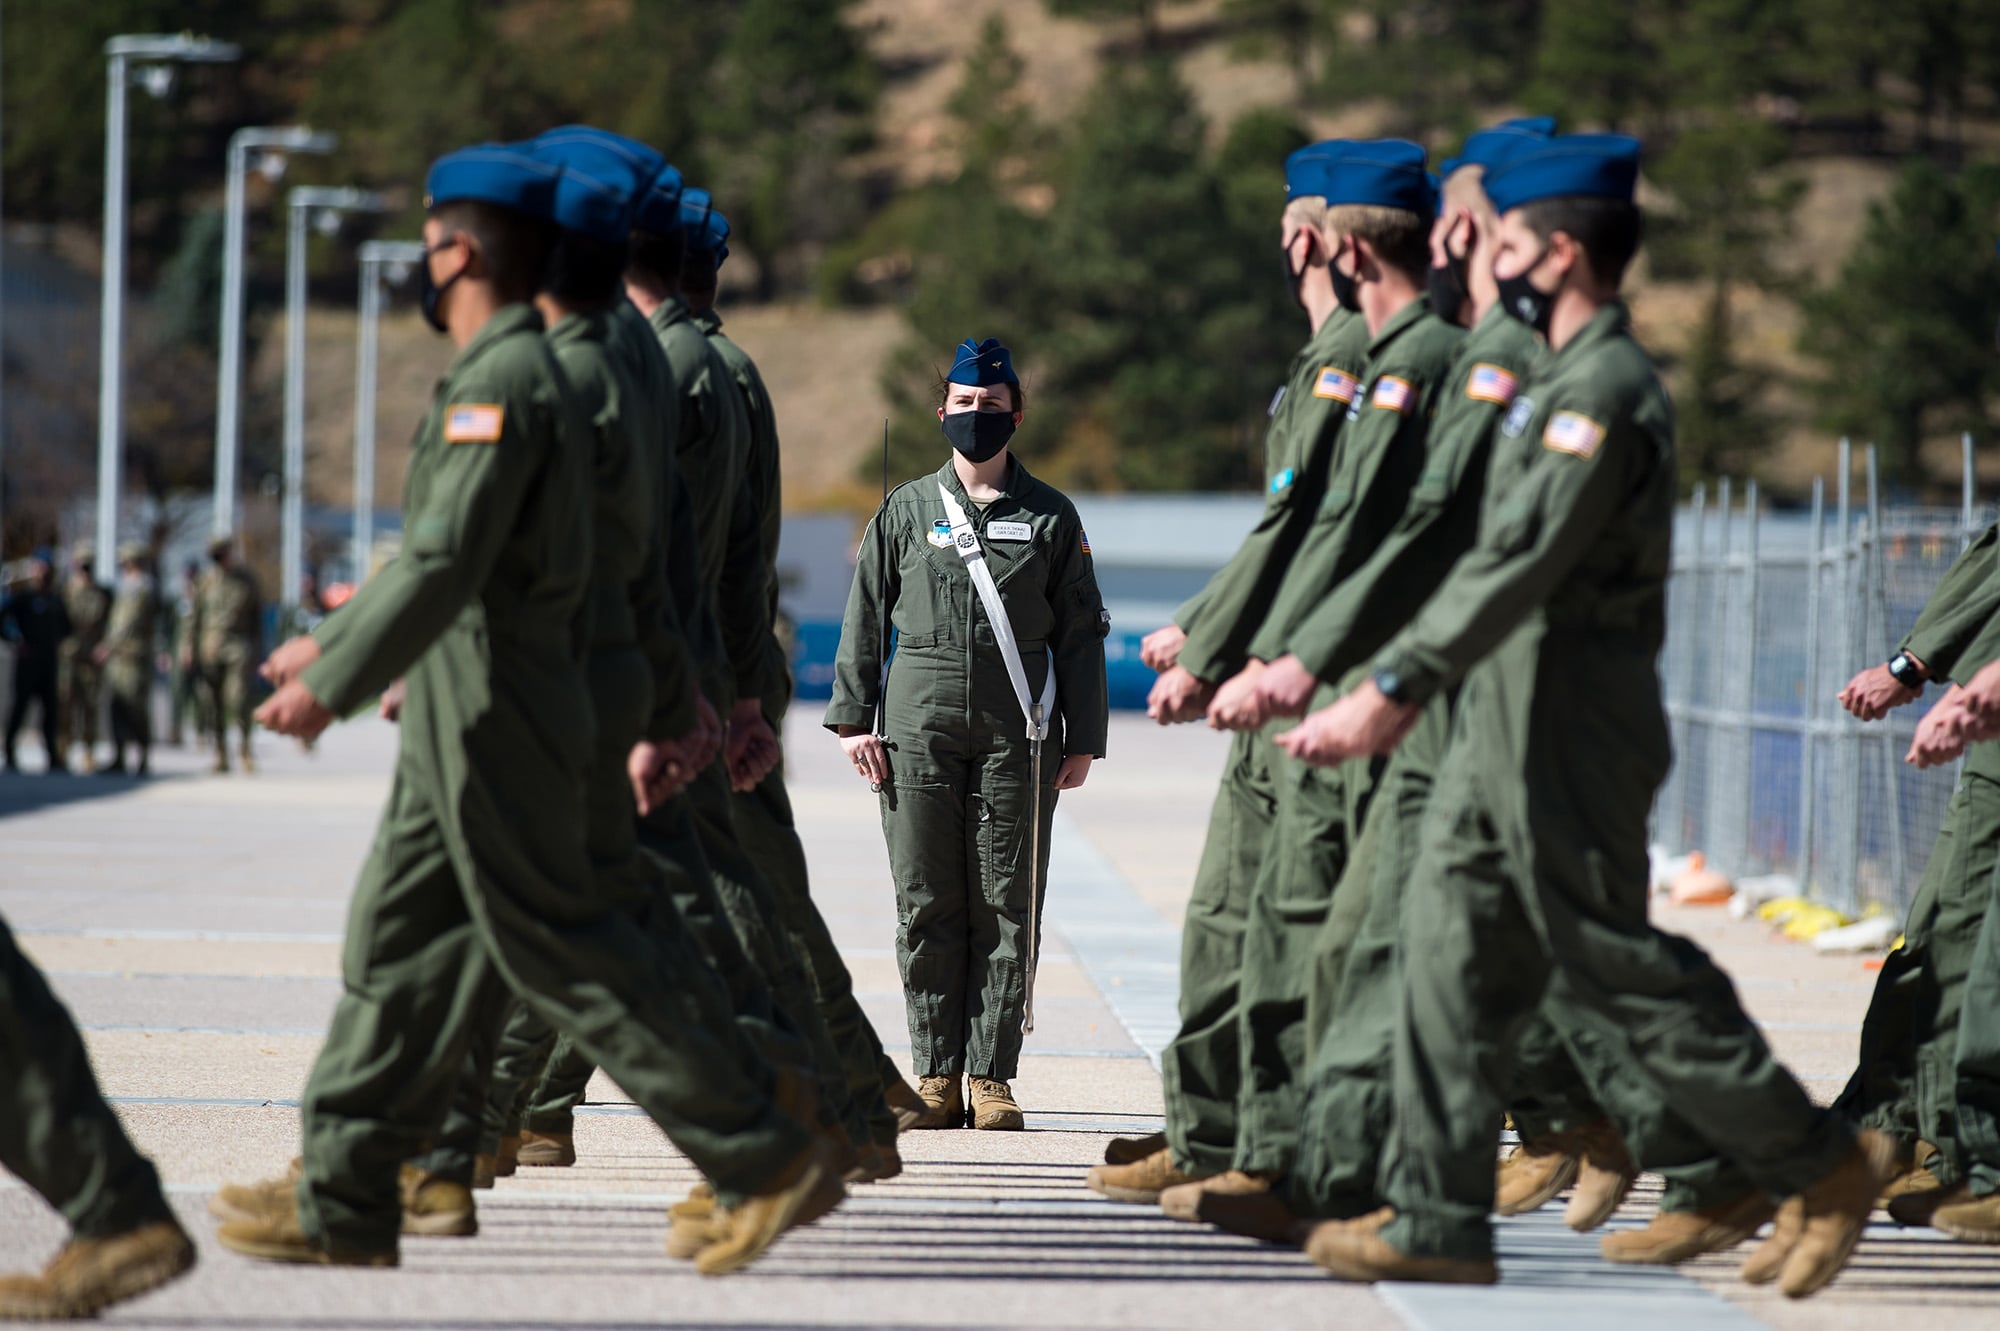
(817, 643)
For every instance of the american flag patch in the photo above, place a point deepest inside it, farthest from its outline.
(1490, 383)
(474, 423)
(1083, 538)
(1336, 384)
(1573, 433)
(1392, 394)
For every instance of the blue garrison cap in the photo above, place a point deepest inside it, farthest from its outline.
(1380, 173)
(660, 206)
(1306, 169)
(707, 229)
(1496, 143)
(493, 173)
(604, 177)
(1604, 166)
(982, 364)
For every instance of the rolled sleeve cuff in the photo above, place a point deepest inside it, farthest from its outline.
(338, 687)
(1935, 652)
(840, 712)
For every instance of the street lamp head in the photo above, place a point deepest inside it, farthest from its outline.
(172, 46)
(271, 166)
(158, 80)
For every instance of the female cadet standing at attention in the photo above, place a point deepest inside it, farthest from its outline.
(985, 574)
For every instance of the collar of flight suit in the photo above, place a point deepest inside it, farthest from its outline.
(1613, 320)
(671, 311)
(1398, 322)
(1013, 486)
(506, 321)
(708, 321)
(581, 326)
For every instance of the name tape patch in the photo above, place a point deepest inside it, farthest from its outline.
(1393, 394)
(1490, 383)
(474, 423)
(1009, 531)
(1336, 384)
(1573, 433)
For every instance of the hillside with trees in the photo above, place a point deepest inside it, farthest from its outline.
(1095, 181)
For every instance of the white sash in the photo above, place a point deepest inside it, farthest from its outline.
(966, 541)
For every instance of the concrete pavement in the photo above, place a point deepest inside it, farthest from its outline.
(193, 925)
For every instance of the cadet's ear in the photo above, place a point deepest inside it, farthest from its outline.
(1017, 418)
(1565, 255)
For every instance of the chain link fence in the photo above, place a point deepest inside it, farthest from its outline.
(1768, 616)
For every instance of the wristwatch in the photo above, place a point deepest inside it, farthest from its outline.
(1391, 685)
(1903, 668)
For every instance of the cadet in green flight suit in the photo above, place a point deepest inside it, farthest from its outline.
(1207, 644)
(763, 812)
(127, 657)
(479, 874)
(1533, 855)
(953, 762)
(1381, 204)
(79, 676)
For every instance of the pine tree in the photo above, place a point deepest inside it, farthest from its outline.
(1904, 335)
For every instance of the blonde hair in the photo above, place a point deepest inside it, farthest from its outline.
(1308, 210)
(1398, 236)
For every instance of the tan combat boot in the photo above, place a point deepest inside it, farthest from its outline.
(278, 1238)
(1181, 1200)
(254, 1201)
(485, 1170)
(221, 763)
(1915, 1181)
(1673, 1237)
(699, 1203)
(804, 1191)
(508, 1158)
(1968, 1218)
(687, 1235)
(1355, 1250)
(1124, 1150)
(1605, 1173)
(1915, 1208)
(436, 1206)
(1141, 1181)
(1816, 1230)
(904, 1102)
(1535, 1171)
(248, 758)
(1254, 1215)
(944, 1106)
(993, 1107)
(89, 1275)
(548, 1150)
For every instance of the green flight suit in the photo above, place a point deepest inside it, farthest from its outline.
(538, 1082)
(79, 678)
(1927, 998)
(1294, 914)
(957, 810)
(128, 668)
(224, 631)
(1532, 854)
(479, 874)
(1350, 1010)
(57, 1135)
(1201, 1066)
(763, 816)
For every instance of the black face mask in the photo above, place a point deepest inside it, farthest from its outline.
(1346, 292)
(979, 435)
(1524, 301)
(1446, 283)
(429, 291)
(1293, 275)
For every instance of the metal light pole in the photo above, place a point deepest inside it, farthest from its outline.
(273, 143)
(328, 204)
(396, 257)
(156, 54)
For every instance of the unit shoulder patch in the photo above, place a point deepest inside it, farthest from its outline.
(940, 534)
(1393, 394)
(474, 423)
(1490, 383)
(1335, 384)
(1282, 481)
(1574, 433)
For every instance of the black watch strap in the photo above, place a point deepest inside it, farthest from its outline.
(1391, 685)
(1904, 669)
